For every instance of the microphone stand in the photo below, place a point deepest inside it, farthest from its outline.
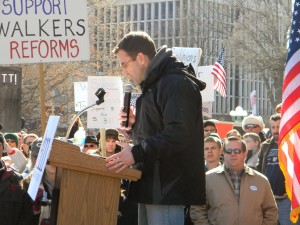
(100, 94)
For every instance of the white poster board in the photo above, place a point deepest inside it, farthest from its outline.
(207, 109)
(105, 115)
(204, 74)
(43, 31)
(43, 156)
(188, 55)
(80, 95)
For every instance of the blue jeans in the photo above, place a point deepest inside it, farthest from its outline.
(161, 214)
(284, 209)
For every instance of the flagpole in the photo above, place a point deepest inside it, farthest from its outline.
(42, 98)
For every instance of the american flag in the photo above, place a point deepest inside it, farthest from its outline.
(219, 72)
(289, 134)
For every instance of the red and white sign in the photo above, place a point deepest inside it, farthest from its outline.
(33, 31)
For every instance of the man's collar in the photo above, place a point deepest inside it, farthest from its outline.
(247, 169)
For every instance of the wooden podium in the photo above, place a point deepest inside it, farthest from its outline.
(89, 192)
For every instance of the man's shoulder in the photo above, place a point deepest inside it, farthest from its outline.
(254, 174)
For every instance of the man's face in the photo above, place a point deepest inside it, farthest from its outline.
(274, 126)
(234, 161)
(25, 146)
(111, 145)
(89, 146)
(133, 67)
(212, 152)
(250, 143)
(208, 130)
(252, 128)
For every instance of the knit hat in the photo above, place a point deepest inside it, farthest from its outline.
(91, 139)
(12, 136)
(35, 147)
(110, 133)
(251, 119)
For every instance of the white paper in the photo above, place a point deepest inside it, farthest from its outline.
(204, 74)
(105, 115)
(43, 156)
(80, 95)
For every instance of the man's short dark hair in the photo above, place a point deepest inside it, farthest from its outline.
(275, 117)
(232, 138)
(209, 123)
(136, 42)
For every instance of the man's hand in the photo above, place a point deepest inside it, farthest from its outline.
(123, 117)
(121, 160)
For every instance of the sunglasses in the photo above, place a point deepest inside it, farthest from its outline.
(10, 140)
(235, 151)
(89, 146)
(248, 126)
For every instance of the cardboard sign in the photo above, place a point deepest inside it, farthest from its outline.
(43, 156)
(43, 31)
(105, 115)
(188, 55)
(80, 95)
(204, 74)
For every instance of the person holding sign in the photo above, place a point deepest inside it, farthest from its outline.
(167, 132)
(15, 203)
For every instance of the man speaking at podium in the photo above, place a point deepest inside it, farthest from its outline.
(167, 132)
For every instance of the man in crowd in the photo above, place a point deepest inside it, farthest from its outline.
(212, 152)
(254, 124)
(209, 127)
(167, 131)
(15, 203)
(91, 145)
(268, 164)
(27, 140)
(236, 194)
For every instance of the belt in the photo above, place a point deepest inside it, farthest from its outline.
(280, 197)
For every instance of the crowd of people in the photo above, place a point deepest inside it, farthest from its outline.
(190, 175)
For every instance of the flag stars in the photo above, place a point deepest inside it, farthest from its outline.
(297, 4)
(298, 31)
(294, 22)
(297, 39)
(296, 12)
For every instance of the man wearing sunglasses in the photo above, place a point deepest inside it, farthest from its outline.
(254, 124)
(236, 194)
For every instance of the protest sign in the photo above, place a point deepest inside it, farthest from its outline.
(105, 115)
(80, 95)
(43, 31)
(188, 55)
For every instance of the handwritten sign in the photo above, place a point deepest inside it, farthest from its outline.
(204, 74)
(80, 95)
(43, 31)
(43, 156)
(188, 55)
(105, 115)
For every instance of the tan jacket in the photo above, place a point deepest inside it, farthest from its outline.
(255, 207)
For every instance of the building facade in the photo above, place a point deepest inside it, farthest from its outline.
(205, 24)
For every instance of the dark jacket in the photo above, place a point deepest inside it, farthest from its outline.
(15, 204)
(168, 135)
(262, 156)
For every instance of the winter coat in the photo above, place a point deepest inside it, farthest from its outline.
(15, 203)
(168, 135)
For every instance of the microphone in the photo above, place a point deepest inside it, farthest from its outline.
(126, 103)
